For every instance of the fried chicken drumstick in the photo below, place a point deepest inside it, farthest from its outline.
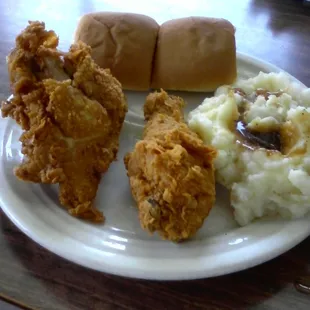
(71, 112)
(170, 171)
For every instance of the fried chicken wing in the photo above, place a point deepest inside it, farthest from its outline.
(171, 171)
(71, 112)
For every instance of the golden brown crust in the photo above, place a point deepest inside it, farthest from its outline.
(124, 43)
(171, 172)
(71, 112)
(194, 54)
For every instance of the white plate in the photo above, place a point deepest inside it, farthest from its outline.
(120, 246)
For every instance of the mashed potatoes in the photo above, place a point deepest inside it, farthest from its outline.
(261, 128)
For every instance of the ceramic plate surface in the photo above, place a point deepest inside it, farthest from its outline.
(120, 246)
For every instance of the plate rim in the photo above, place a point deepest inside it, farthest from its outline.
(139, 267)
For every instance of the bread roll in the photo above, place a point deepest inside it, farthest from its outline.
(195, 54)
(123, 42)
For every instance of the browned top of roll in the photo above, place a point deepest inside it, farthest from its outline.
(195, 54)
(123, 42)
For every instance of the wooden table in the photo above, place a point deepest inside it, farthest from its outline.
(276, 31)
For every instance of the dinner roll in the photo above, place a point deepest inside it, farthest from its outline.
(195, 54)
(124, 43)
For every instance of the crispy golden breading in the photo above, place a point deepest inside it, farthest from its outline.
(171, 171)
(71, 112)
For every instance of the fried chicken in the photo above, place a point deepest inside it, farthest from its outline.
(71, 112)
(171, 171)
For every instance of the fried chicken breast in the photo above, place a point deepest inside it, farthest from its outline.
(171, 171)
(71, 112)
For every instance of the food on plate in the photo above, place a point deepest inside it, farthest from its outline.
(195, 54)
(261, 128)
(171, 171)
(71, 112)
(124, 43)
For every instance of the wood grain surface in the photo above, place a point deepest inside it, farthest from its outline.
(273, 30)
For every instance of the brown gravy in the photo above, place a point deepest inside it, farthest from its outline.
(251, 139)
(266, 93)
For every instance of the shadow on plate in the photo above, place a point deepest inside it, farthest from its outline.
(43, 279)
